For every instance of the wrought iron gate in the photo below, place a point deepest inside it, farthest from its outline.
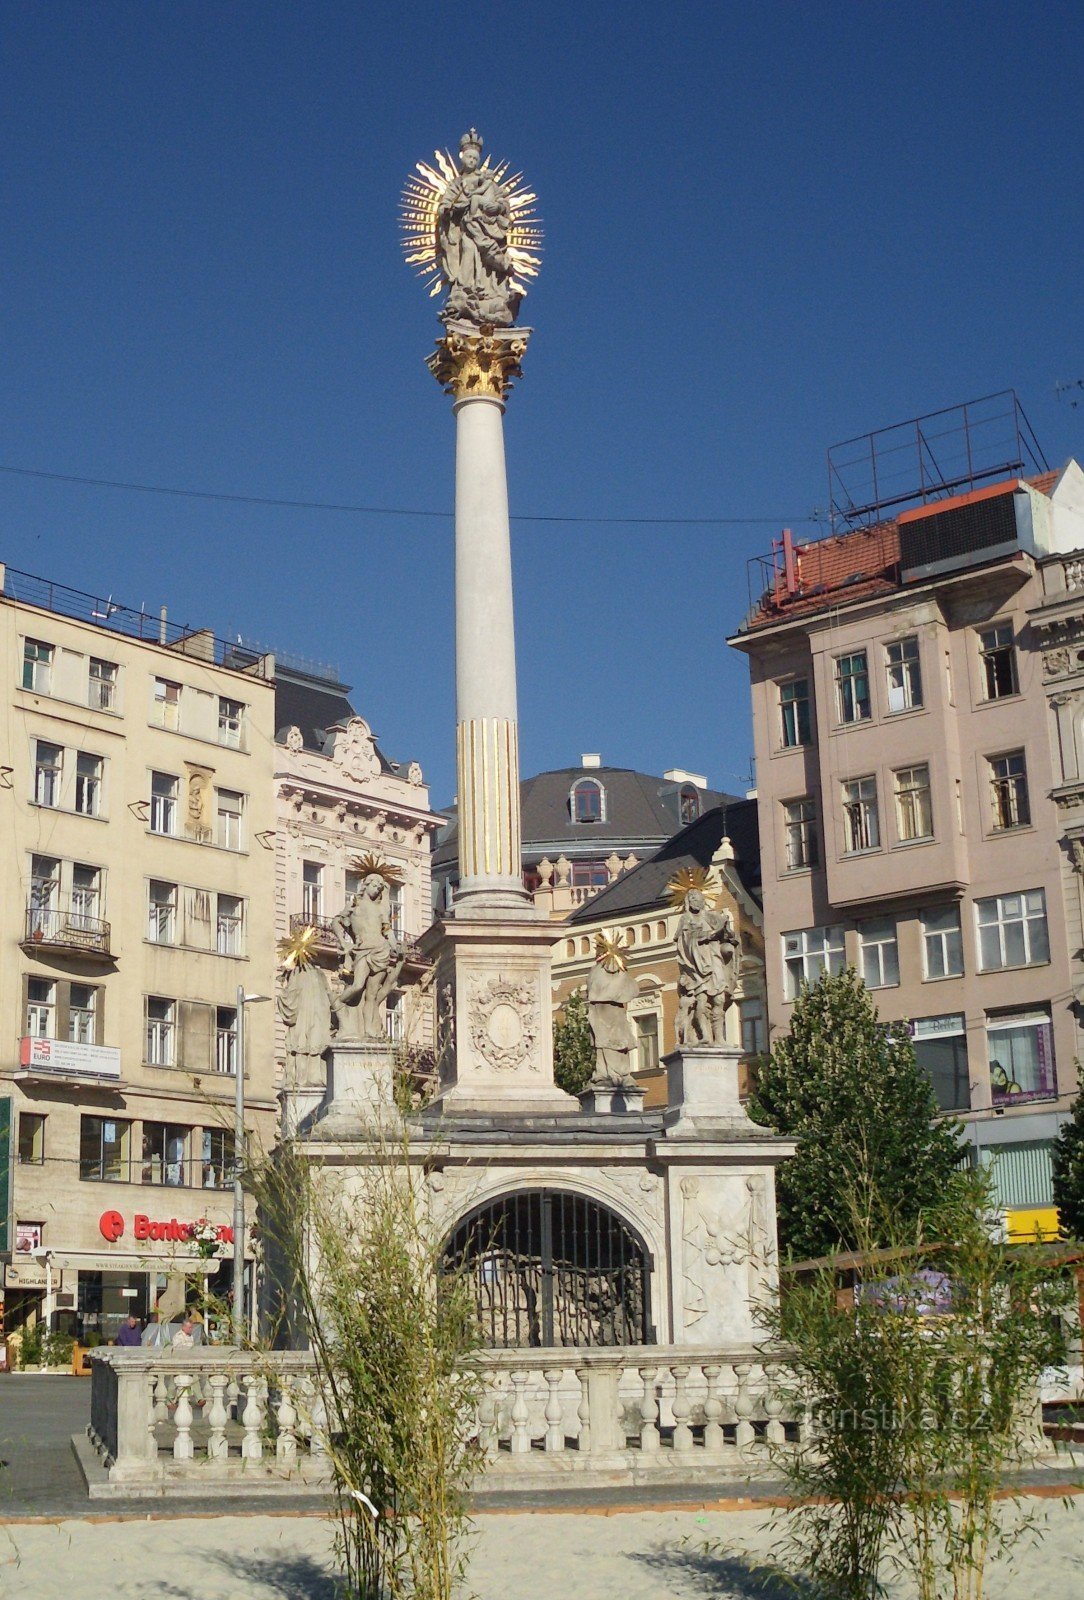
(550, 1268)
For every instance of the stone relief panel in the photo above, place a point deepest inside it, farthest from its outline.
(505, 1016)
(354, 750)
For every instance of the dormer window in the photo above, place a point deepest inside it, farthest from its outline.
(587, 801)
(689, 802)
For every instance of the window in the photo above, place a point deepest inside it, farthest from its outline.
(807, 954)
(395, 1019)
(82, 1011)
(852, 687)
(161, 912)
(353, 885)
(879, 953)
(226, 1039)
(44, 905)
(86, 897)
(941, 1052)
(312, 891)
(102, 685)
(395, 909)
(1020, 1046)
(103, 1149)
(231, 722)
(229, 936)
(589, 875)
(688, 805)
(904, 675)
(647, 1042)
(794, 713)
(88, 784)
(41, 1008)
(166, 706)
(217, 1164)
(164, 790)
(1009, 786)
(37, 666)
(998, 661)
(1012, 930)
(800, 833)
(48, 762)
(165, 1151)
(754, 1033)
(587, 801)
(161, 1025)
(914, 808)
(861, 825)
(231, 809)
(942, 942)
(31, 1138)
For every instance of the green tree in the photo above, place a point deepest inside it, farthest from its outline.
(847, 1088)
(573, 1046)
(1068, 1158)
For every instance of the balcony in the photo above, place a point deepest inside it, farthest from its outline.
(69, 929)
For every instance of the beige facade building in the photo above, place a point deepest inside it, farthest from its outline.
(339, 798)
(919, 769)
(138, 822)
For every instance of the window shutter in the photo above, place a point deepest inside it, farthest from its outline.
(197, 1031)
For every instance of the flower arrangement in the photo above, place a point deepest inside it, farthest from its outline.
(205, 1236)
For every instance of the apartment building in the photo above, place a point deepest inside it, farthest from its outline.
(137, 811)
(918, 713)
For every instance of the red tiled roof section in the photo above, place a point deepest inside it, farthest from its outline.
(850, 566)
(1044, 482)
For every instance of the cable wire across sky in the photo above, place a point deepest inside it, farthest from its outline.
(385, 511)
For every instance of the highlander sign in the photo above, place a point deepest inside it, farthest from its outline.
(111, 1228)
(70, 1060)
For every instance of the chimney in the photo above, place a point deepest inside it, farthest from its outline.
(679, 775)
(590, 762)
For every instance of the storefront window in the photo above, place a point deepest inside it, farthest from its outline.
(105, 1299)
(1020, 1045)
(941, 1052)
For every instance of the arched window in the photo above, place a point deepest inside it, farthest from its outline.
(588, 799)
(690, 805)
(545, 1267)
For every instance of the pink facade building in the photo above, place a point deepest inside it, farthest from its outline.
(918, 710)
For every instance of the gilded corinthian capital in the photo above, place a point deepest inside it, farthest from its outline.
(468, 362)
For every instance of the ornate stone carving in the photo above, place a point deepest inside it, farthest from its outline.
(1076, 853)
(293, 740)
(504, 1022)
(1057, 661)
(545, 872)
(704, 1246)
(709, 963)
(1074, 573)
(372, 960)
(467, 362)
(354, 750)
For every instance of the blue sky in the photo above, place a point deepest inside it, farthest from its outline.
(767, 228)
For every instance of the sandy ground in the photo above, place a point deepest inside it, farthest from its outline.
(638, 1555)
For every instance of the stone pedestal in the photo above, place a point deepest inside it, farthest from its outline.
(360, 1088)
(300, 1107)
(493, 975)
(612, 1098)
(702, 1093)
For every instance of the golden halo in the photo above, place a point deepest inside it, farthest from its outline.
(370, 863)
(609, 950)
(299, 949)
(418, 219)
(687, 879)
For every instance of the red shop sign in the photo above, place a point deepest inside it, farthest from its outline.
(111, 1227)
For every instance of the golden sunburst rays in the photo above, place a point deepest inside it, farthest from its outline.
(299, 949)
(686, 879)
(370, 863)
(610, 951)
(419, 214)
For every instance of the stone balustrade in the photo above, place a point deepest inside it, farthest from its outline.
(235, 1421)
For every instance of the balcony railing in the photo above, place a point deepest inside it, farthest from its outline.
(67, 928)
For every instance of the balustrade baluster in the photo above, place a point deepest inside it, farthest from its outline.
(584, 1411)
(161, 1397)
(286, 1421)
(488, 1436)
(683, 1433)
(649, 1412)
(555, 1430)
(252, 1418)
(713, 1409)
(774, 1406)
(218, 1448)
(183, 1448)
(521, 1416)
(318, 1434)
(743, 1405)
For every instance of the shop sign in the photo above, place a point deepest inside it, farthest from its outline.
(27, 1237)
(25, 1275)
(111, 1226)
(69, 1059)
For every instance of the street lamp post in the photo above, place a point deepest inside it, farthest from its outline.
(243, 1000)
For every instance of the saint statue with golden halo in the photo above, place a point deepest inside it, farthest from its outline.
(709, 959)
(610, 989)
(372, 956)
(470, 228)
(304, 1004)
